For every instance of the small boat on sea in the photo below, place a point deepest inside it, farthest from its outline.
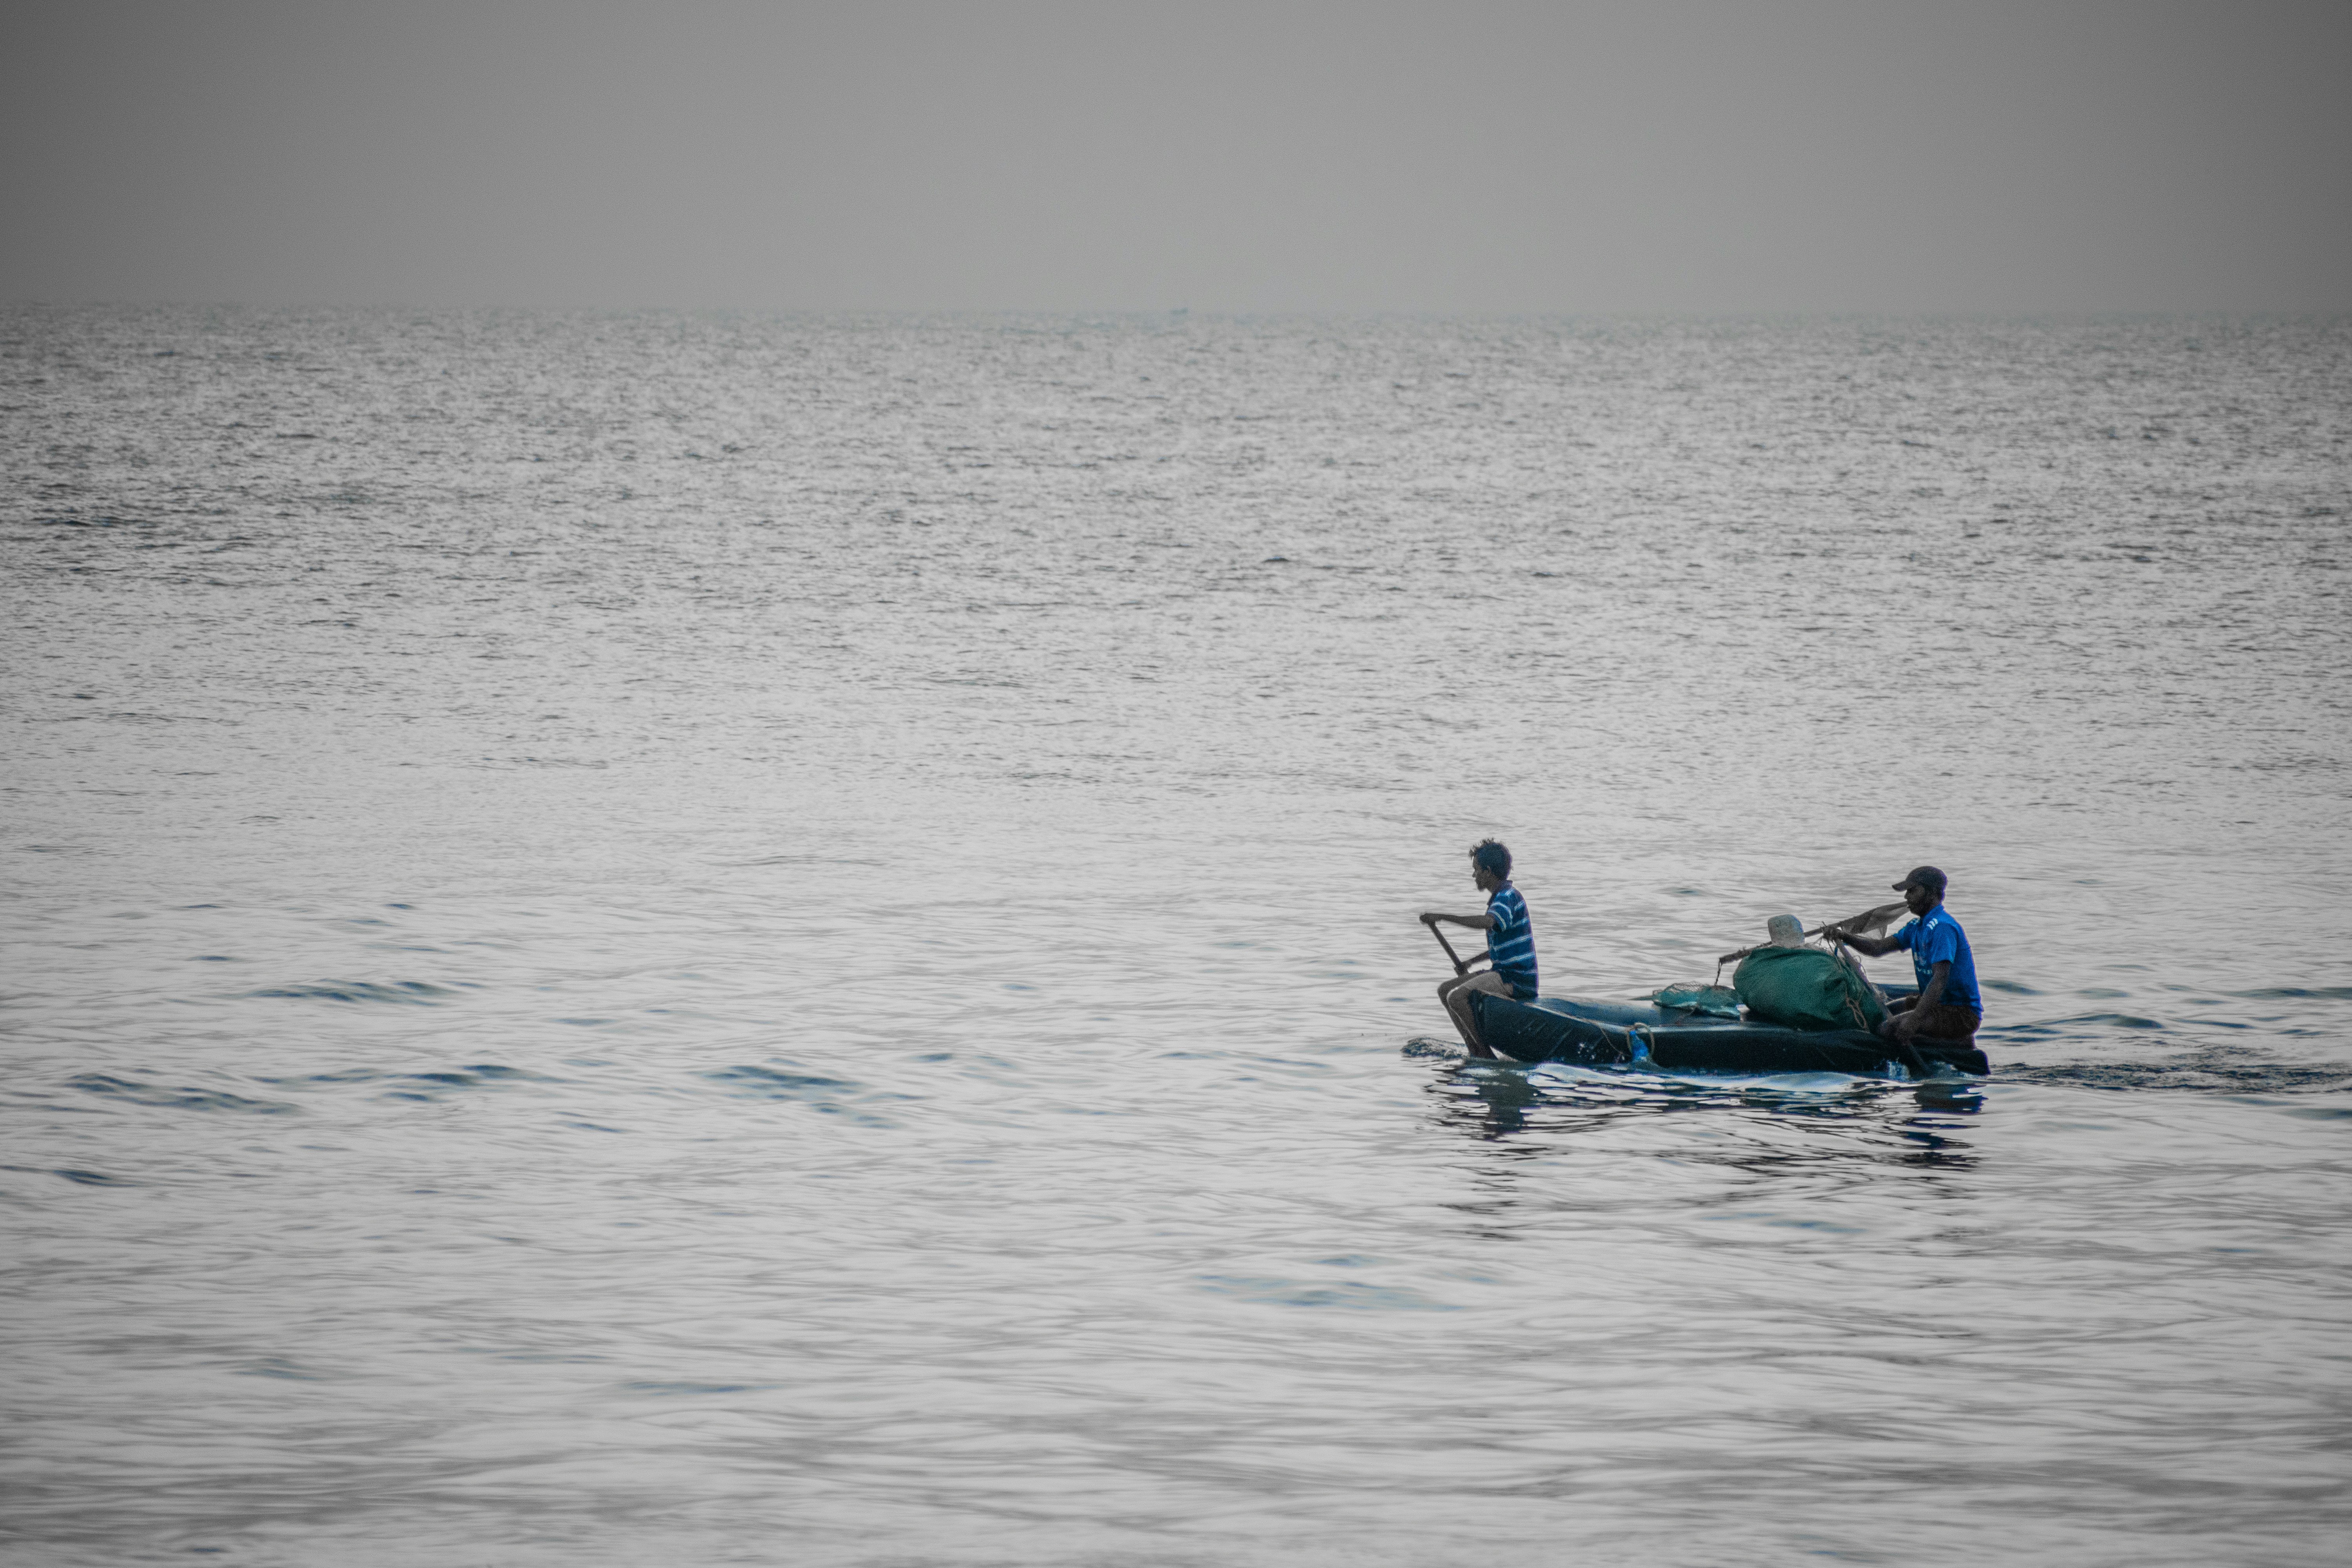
(1669, 1039)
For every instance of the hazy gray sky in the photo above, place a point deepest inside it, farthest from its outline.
(1805, 155)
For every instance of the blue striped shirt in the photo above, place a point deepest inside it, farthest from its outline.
(1511, 941)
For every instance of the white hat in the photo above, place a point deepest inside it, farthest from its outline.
(1787, 931)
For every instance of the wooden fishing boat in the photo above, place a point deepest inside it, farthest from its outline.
(1614, 1034)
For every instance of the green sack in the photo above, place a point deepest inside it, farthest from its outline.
(1805, 988)
(1721, 1001)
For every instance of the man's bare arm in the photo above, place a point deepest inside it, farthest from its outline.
(1481, 922)
(1877, 946)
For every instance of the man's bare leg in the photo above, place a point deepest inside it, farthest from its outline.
(1456, 995)
(1445, 992)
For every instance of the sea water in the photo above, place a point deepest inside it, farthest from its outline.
(644, 938)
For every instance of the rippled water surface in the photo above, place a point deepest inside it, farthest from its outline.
(691, 939)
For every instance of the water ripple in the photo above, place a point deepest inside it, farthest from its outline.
(410, 992)
(179, 1099)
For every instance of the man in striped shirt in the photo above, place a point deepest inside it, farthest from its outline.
(1510, 945)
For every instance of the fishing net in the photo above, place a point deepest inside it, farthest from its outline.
(1720, 1000)
(1805, 988)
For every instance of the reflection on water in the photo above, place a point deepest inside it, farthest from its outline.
(1861, 1118)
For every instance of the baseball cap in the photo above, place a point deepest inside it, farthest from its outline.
(1925, 877)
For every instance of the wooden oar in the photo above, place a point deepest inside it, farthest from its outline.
(1459, 967)
(1875, 919)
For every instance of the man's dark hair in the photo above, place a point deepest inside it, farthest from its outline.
(1492, 856)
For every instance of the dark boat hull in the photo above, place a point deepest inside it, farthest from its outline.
(1605, 1034)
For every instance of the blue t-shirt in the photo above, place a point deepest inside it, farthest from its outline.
(1935, 937)
(1511, 941)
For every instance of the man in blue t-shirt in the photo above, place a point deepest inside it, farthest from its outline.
(1949, 1006)
(1510, 944)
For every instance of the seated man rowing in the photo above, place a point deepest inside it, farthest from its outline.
(1510, 945)
(1947, 1006)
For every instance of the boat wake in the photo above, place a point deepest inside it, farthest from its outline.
(2218, 1071)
